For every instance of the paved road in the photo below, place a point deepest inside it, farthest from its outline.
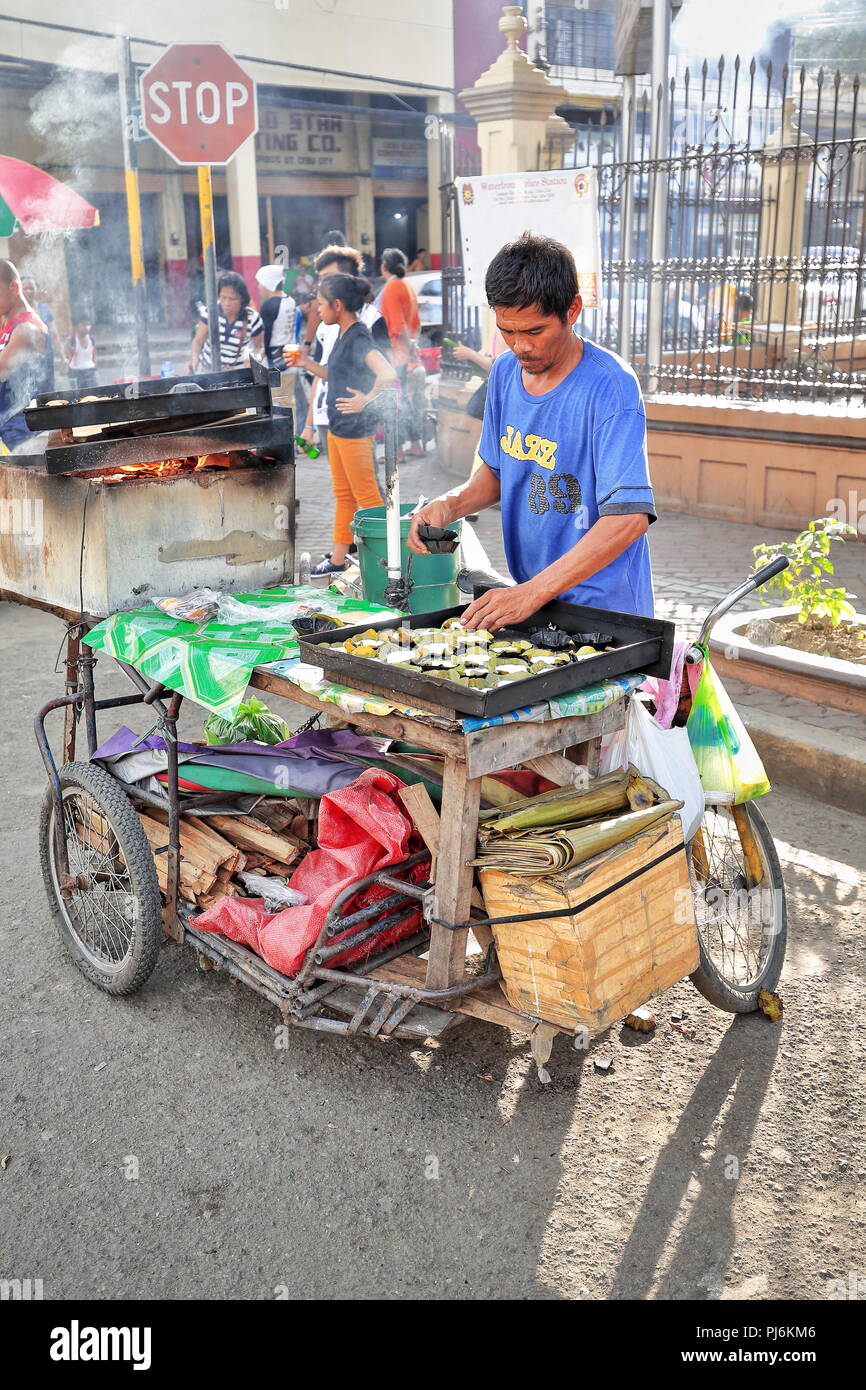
(163, 1146)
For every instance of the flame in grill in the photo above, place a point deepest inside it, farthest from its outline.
(168, 468)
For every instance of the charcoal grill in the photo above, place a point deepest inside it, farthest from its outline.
(87, 527)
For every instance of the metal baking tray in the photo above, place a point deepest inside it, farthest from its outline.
(642, 645)
(151, 401)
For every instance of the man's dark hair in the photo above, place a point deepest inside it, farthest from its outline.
(351, 290)
(9, 273)
(532, 270)
(344, 260)
(335, 238)
(394, 261)
(230, 280)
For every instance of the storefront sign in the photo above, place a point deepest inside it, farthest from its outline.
(399, 159)
(562, 204)
(308, 141)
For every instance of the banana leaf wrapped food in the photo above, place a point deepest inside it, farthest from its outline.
(550, 850)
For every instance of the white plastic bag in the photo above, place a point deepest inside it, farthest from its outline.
(276, 894)
(663, 754)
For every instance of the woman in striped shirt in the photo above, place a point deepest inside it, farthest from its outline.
(241, 330)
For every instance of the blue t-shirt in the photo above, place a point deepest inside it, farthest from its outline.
(563, 460)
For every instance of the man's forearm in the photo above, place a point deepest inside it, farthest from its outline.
(478, 492)
(603, 542)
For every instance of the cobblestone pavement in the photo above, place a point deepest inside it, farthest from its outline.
(695, 562)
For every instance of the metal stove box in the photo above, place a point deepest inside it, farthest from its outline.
(231, 529)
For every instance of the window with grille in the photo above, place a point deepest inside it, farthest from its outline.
(578, 38)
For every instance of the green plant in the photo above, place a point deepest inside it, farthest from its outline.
(804, 584)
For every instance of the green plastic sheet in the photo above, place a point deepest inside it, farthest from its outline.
(212, 664)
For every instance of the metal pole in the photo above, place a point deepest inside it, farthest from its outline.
(397, 590)
(627, 229)
(133, 205)
(208, 252)
(661, 47)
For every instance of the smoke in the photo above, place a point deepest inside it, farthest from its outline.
(76, 118)
(703, 28)
(75, 125)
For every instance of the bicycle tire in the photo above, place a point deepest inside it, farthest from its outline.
(118, 902)
(727, 993)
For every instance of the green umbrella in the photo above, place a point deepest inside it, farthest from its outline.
(8, 220)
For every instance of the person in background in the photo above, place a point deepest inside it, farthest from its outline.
(241, 331)
(356, 373)
(745, 312)
(344, 260)
(400, 311)
(418, 261)
(278, 314)
(22, 344)
(45, 382)
(81, 356)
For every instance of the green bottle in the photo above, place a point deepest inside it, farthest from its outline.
(309, 449)
(449, 342)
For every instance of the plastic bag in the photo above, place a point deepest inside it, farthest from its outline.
(198, 606)
(210, 605)
(253, 722)
(663, 754)
(274, 893)
(727, 760)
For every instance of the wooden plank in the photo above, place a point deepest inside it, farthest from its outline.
(425, 817)
(461, 795)
(393, 726)
(558, 769)
(248, 833)
(588, 755)
(508, 745)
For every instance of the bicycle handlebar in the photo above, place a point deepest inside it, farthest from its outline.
(725, 604)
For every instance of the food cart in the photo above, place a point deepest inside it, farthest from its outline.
(114, 893)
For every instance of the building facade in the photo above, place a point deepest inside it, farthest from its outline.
(344, 92)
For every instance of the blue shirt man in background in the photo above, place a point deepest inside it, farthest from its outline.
(563, 447)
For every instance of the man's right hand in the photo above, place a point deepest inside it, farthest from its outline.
(431, 514)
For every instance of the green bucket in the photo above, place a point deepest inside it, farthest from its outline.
(434, 577)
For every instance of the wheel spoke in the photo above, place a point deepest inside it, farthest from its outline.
(102, 913)
(730, 916)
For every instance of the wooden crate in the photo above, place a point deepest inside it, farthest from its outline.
(593, 967)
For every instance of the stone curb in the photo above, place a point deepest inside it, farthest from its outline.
(819, 763)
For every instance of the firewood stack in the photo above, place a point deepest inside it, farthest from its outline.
(214, 850)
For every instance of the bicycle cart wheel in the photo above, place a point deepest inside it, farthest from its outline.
(740, 907)
(111, 924)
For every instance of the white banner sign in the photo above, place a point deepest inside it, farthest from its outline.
(559, 203)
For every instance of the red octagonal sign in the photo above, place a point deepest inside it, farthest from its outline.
(198, 103)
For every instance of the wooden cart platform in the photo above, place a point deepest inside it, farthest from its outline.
(469, 756)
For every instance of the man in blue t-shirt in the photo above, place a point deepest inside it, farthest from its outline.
(563, 446)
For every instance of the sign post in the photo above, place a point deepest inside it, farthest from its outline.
(199, 104)
(133, 205)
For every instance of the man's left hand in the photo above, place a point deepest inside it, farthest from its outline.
(503, 607)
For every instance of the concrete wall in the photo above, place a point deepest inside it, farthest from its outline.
(765, 466)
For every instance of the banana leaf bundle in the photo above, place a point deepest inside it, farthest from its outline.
(549, 850)
(625, 788)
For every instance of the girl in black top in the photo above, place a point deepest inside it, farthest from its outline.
(356, 373)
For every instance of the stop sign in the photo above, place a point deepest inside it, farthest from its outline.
(198, 103)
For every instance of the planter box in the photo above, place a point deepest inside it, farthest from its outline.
(824, 680)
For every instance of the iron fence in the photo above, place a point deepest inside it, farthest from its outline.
(757, 287)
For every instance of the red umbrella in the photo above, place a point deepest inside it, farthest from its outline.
(39, 202)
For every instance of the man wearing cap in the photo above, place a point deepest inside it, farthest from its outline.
(278, 313)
